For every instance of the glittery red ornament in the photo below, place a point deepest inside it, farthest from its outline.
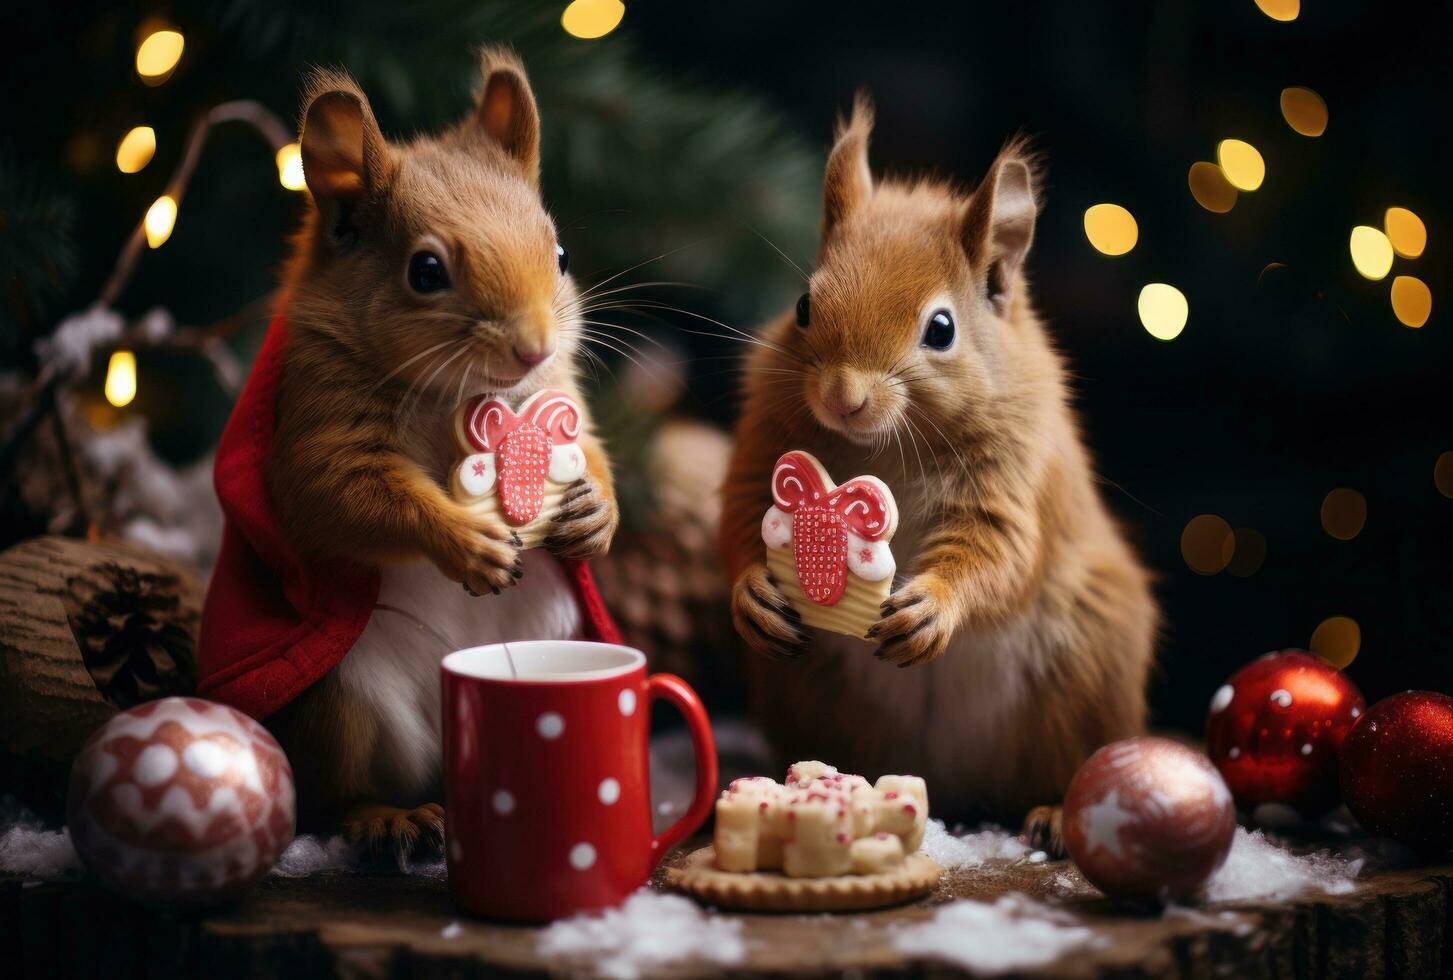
(1274, 730)
(1397, 770)
(180, 802)
(1148, 819)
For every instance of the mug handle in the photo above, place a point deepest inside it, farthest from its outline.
(703, 746)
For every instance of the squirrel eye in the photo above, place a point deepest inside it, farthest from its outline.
(939, 334)
(563, 257)
(427, 273)
(804, 310)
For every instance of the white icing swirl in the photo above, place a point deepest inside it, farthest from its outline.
(776, 528)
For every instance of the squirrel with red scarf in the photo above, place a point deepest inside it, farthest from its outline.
(428, 271)
(1025, 619)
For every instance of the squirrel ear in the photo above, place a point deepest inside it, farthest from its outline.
(998, 224)
(344, 154)
(848, 182)
(506, 110)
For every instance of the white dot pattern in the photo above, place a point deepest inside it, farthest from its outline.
(503, 802)
(627, 702)
(609, 791)
(524, 461)
(582, 856)
(155, 765)
(550, 725)
(820, 552)
(1282, 698)
(1222, 698)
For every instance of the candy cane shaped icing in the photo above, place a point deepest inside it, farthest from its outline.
(515, 452)
(555, 412)
(833, 529)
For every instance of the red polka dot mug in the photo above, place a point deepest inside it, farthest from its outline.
(547, 791)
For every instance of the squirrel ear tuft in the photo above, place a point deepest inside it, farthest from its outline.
(998, 223)
(848, 182)
(344, 154)
(506, 111)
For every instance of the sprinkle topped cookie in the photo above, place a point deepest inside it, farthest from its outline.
(827, 545)
(518, 463)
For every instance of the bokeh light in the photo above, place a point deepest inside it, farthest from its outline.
(158, 54)
(1210, 187)
(121, 378)
(135, 149)
(590, 19)
(1412, 301)
(1163, 310)
(1207, 544)
(1248, 552)
(160, 219)
(1371, 252)
(1344, 512)
(1111, 229)
(290, 167)
(1443, 473)
(1304, 110)
(1406, 231)
(1241, 163)
(1282, 10)
(1337, 640)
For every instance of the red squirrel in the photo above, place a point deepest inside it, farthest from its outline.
(428, 271)
(1025, 620)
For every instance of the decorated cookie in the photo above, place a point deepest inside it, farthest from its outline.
(821, 841)
(827, 545)
(518, 464)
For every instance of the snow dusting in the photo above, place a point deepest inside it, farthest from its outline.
(648, 931)
(1013, 933)
(972, 850)
(1257, 868)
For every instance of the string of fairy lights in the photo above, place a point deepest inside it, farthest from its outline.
(159, 51)
(1208, 543)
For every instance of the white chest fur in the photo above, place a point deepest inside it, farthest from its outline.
(420, 617)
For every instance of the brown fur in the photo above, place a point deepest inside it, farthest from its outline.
(373, 368)
(1025, 617)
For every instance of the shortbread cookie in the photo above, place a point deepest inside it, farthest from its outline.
(827, 546)
(769, 891)
(518, 465)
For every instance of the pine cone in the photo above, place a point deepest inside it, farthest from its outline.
(135, 635)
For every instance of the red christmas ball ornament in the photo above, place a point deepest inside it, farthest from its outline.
(180, 802)
(1397, 770)
(1148, 819)
(1274, 730)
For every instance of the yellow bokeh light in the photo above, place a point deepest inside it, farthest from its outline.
(157, 56)
(1111, 229)
(135, 149)
(590, 19)
(1210, 187)
(1337, 640)
(1412, 301)
(1241, 163)
(1406, 231)
(1207, 544)
(1163, 310)
(1344, 512)
(121, 378)
(290, 167)
(1304, 110)
(1371, 252)
(160, 218)
(1282, 10)
(1443, 474)
(1248, 551)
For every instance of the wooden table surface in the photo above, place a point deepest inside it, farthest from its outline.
(1397, 923)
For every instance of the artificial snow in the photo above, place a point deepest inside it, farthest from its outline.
(1013, 933)
(971, 850)
(648, 931)
(70, 345)
(310, 854)
(30, 850)
(1258, 868)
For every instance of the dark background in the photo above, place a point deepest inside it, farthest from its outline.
(1273, 395)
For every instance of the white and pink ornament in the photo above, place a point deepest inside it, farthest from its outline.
(180, 802)
(1148, 819)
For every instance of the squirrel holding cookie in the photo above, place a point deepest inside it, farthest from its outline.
(1021, 616)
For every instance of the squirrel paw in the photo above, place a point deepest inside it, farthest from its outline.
(483, 554)
(764, 618)
(915, 627)
(389, 831)
(585, 523)
(1043, 831)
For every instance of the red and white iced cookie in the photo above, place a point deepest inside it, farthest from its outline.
(518, 464)
(827, 544)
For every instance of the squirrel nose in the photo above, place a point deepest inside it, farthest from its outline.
(529, 358)
(840, 405)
